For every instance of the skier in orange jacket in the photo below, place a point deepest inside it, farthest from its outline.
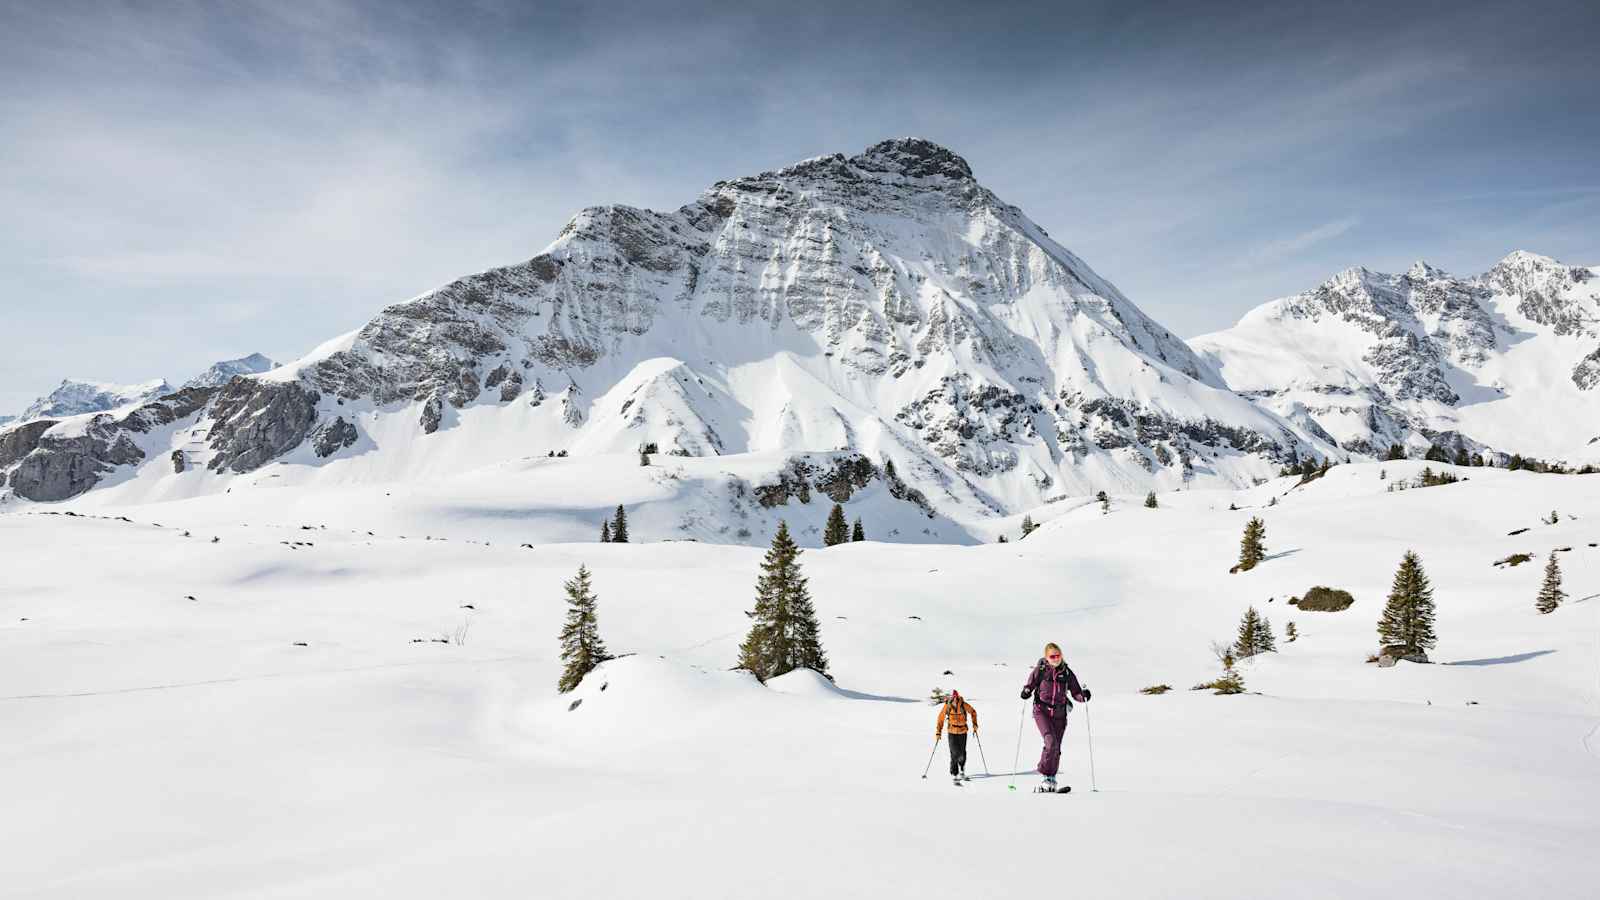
(956, 711)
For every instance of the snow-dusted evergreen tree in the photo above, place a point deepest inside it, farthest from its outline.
(1550, 593)
(1027, 525)
(1291, 633)
(858, 533)
(1408, 616)
(784, 634)
(581, 647)
(605, 532)
(1266, 642)
(1150, 501)
(837, 530)
(619, 526)
(1253, 547)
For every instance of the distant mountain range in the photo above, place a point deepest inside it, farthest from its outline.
(1506, 361)
(76, 397)
(884, 313)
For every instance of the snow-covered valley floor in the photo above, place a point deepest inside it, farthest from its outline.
(164, 734)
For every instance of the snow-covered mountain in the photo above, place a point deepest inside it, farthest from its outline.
(885, 304)
(1507, 361)
(222, 372)
(76, 397)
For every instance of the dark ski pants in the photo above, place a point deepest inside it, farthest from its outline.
(958, 753)
(1052, 723)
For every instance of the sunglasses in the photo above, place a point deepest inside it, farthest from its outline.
(1054, 656)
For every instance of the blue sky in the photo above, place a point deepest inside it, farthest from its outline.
(184, 182)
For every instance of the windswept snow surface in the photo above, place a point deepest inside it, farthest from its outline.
(165, 736)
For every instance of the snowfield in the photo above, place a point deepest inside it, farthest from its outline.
(301, 708)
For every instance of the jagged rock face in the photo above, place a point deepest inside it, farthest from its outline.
(884, 303)
(56, 460)
(254, 422)
(1423, 357)
(333, 437)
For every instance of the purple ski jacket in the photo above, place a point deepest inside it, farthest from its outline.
(1053, 686)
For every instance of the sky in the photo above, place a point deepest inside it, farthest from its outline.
(187, 182)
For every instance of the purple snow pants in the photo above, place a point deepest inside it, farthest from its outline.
(1052, 723)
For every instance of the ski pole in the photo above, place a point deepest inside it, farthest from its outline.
(930, 757)
(1088, 722)
(985, 759)
(1018, 755)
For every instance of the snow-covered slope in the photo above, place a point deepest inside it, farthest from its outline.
(76, 397)
(884, 303)
(221, 372)
(323, 712)
(1508, 360)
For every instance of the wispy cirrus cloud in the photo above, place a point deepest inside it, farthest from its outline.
(261, 175)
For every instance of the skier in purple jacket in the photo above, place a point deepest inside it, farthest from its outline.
(1053, 686)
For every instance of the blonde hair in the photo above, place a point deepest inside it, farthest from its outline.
(1052, 646)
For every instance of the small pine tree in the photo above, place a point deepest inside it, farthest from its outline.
(1027, 525)
(644, 458)
(1408, 615)
(605, 532)
(1231, 681)
(1436, 454)
(857, 533)
(1150, 501)
(1265, 641)
(1003, 539)
(1291, 633)
(1396, 452)
(1550, 593)
(1253, 547)
(619, 526)
(1555, 518)
(837, 531)
(1248, 643)
(1463, 458)
(581, 647)
(784, 634)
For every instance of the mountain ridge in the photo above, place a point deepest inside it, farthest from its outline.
(885, 303)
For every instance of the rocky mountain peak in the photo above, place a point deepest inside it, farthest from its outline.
(913, 158)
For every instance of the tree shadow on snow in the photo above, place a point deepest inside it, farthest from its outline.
(1501, 660)
(1281, 554)
(881, 698)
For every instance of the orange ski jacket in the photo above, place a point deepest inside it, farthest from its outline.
(955, 711)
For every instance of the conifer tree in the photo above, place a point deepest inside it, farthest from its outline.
(1002, 539)
(1253, 547)
(1150, 501)
(619, 526)
(1231, 681)
(1463, 458)
(1265, 641)
(1550, 593)
(1248, 643)
(605, 532)
(837, 531)
(1027, 525)
(1291, 633)
(581, 647)
(857, 533)
(1396, 452)
(1408, 616)
(783, 634)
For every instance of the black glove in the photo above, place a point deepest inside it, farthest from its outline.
(1086, 695)
(1026, 693)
